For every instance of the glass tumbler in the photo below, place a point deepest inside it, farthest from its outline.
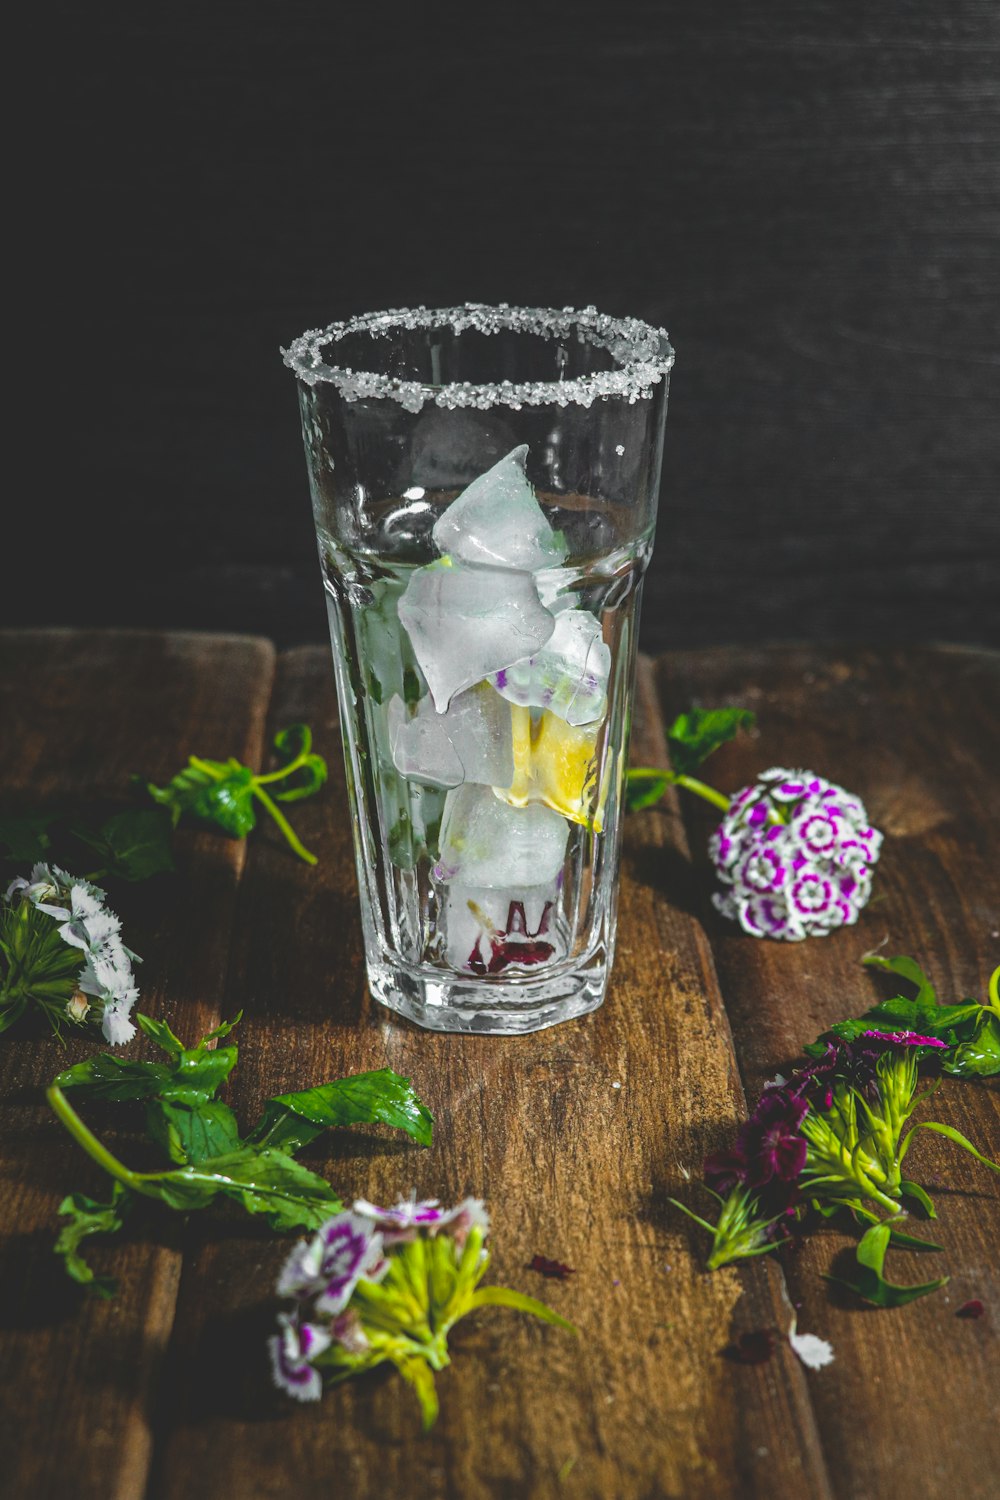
(484, 482)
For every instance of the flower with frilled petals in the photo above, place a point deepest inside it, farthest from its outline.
(796, 853)
(387, 1285)
(291, 1351)
(61, 948)
(408, 1218)
(345, 1250)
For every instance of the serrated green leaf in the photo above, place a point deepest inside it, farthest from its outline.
(644, 788)
(906, 968)
(88, 1217)
(694, 735)
(979, 1056)
(132, 845)
(290, 1121)
(192, 1133)
(24, 837)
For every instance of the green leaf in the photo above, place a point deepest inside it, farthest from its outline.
(418, 1374)
(117, 1079)
(693, 736)
(25, 837)
(161, 1034)
(290, 1121)
(219, 792)
(952, 1135)
(134, 844)
(263, 1181)
(644, 788)
(88, 1217)
(906, 968)
(979, 1056)
(191, 1077)
(919, 1195)
(505, 1296)
(192, 1133)
(869, 1283)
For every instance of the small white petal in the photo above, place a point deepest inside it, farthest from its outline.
(812, 1351)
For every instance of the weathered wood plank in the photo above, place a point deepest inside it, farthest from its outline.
(575, 1135)
(916, 734)
(79, 712)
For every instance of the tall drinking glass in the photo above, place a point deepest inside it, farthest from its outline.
(484, 481)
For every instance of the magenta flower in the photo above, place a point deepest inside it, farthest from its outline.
(905, 1039)
(796, 853)
(769, 1149)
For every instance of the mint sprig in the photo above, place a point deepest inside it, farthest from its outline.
(198, 1134)
(970, 1028)
(227, 793)
(691, 739)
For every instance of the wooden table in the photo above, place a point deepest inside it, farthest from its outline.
(577, 1135)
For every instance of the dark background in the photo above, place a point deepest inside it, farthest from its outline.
(805, 193)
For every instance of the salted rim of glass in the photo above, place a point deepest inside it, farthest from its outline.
(642, 352)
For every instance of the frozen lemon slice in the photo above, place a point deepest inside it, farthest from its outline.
(555, 763)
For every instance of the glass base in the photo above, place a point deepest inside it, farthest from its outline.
(492, 1008)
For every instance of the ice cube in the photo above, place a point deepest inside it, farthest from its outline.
(488, 931)
(487, 842)
(498, 522)
(420, 746)
(471, 741)
(466, 622)
(568, 676)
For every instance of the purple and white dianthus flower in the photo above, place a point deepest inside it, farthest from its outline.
(408, 1218)
(345, 1250)
(291, 1349)
(796, 853)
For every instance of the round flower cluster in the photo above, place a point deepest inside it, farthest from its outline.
(105, 986)
(797, 853)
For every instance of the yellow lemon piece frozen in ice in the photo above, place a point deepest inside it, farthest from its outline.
(555, 763)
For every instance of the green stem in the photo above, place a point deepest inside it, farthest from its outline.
(700, 789)
(93, 1147)
(994, 990)
(293, 765)
(286, 827)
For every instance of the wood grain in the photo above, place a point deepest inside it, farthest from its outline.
(79, 713)
(575, 1136)
(915, 734)
(163, 1394)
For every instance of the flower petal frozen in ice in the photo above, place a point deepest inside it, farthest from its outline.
(487, 931)
(497, 521)
(466, 622)
(556, 763)
(345, 1250)
(568, 676)
(291, 1350)
(796, 853)
(470, 741)
(812, 1351)
(487, 842)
